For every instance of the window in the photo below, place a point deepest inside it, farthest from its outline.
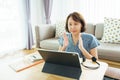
(12, 25)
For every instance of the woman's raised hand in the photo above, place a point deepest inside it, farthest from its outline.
(66, 42)
(80, 42)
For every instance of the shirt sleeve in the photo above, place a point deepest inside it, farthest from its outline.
(93, 42)
(60, 40)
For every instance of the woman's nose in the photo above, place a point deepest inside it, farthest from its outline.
(72, 27)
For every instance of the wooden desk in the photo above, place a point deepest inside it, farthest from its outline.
(34, 73)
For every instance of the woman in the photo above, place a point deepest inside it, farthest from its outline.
(77, 41)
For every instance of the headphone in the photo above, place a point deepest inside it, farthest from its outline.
(94, 60)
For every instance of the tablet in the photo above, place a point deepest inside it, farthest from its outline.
(61, 63)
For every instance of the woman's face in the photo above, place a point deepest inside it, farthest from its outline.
(73, 26)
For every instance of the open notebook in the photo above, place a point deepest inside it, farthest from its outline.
(26, 62)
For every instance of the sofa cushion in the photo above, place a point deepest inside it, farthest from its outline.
(44, 31)
(99, 31)
(111, 30)
(90, 28)
(60, 28)
(109, 51)
(51, 43)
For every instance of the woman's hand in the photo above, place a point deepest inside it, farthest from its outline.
(66, 42)
(80, 42)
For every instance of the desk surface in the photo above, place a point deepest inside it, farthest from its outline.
(34, 73)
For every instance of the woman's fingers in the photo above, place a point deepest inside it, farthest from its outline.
(80, 41)
(65, 39)
(80, 38)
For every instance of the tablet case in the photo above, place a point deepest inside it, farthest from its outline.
(61, 63)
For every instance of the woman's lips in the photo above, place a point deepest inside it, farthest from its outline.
(73, 31)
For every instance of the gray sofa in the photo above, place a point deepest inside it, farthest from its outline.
(45, 38)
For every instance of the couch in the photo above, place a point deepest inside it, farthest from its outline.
(45, 38)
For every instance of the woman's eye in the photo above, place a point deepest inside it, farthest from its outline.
(75, 24)
(70, 24)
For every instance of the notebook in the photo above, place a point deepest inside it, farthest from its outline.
(61, 63)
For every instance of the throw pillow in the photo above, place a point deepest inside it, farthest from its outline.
(111, 30)
(60, 29)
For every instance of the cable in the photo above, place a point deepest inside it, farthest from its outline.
(94, 60)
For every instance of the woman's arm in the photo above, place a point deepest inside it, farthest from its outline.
(93, 52)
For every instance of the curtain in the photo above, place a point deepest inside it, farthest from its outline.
(30, 41)
(48, 9)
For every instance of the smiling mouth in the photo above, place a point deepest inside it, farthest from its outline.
(73, 31)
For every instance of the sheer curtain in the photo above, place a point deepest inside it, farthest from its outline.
(29, 38)
(12, 25)
(93, 11)
(48, 9)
